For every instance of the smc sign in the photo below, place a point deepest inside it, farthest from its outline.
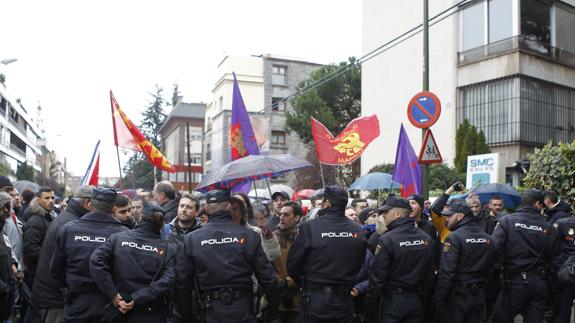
(482, 169)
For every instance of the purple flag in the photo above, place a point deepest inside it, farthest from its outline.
(242, 138)
(406, 170)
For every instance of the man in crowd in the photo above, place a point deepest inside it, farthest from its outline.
(165, 196)
(278, 200)
(416, 202)
(222, 257)
(70, 264)
(290, 216)
(137, 204)
(359, 205)
(185, 222)
(41, 214)
(326, 257)
(47, 291)
(529, 250)
(351, 214)
(7, 263)
(465, 264)
(402, 269)
(556, 209)
(123, 211)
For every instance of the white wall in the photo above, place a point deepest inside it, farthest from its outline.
(391, 79)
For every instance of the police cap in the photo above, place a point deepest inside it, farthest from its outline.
(394, 202)
(336, 195)
(218, 196)
(534, 193)
(458, 206)
(104, 194)
(150, 209)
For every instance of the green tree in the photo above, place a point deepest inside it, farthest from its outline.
(175, 95)
(553, 168)
(382, 168)
(334, 103)
(468, 142)
(138, 170)
(25, 172)
(5, 170)
(441, 176)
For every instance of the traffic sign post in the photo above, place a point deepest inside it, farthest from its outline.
(429, 153)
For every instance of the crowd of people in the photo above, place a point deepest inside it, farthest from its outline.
(164, 256)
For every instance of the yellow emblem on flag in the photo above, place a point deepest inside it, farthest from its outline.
(350, 144)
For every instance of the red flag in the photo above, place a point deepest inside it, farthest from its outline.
(91, 175)
(127, 135)
(349, 144)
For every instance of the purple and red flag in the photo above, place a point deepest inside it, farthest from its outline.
(406, 170)
(242, 138)
(91, 175)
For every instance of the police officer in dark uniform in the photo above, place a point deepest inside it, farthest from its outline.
(222, 256)
(401, 273)
(529, 254)
(136, 268)
(328, 252)
(466, 260)
(563, 299)
(70, 263)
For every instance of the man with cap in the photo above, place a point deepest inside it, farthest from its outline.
(279, 198)
(47, 291)
(220, 259)
(466, 260)
(325, 259)
(529, 252)
(135, 269)
(401, 272)
(417, 202)
(70, 263)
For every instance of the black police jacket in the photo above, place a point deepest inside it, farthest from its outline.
(566, 231)
(76, 242)
(130, 261)
(46, 291)
(520, 237)
(224, 254)
(560, 211)
(403, 259)
(467, 258)
(329, 250)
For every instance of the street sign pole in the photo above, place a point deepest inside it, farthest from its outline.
(424, 167)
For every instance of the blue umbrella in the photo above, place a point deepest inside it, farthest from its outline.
(374, 181)
(511, 198)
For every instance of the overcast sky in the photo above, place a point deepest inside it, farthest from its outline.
(71, 53)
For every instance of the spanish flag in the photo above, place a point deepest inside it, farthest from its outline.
(127, 135)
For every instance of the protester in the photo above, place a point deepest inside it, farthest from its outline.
(556, 209)
(135, 269)
(137, 205)
(27, 196)
(290, 298)
(278, 200)
(47, 291)
(165, 196)
(7, 264)
(203, 215)
(351, 214)
(13, 228)
(359, 205)
(123, 211)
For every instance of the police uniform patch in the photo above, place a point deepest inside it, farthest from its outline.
(446, 246)
(377, 249)
(571, 231)
(556, 225)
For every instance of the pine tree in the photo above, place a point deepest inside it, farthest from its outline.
(468, 142)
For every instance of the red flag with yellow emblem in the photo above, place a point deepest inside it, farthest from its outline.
(127, 135)
(349, 144)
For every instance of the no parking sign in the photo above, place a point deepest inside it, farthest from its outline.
(424, 109)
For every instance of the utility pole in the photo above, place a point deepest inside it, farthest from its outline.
(189, 157)
(424, 167)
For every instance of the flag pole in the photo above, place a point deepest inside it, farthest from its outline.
(120, 168)
(322, 177)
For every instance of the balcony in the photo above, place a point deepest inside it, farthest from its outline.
(520, 43)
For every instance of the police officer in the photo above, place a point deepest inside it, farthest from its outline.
(563, 298)
(401, 273)
(70, 263)
(465, 264)
(222, 256)
(528, 247)
(328, 252)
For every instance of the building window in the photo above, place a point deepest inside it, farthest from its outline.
(564, 27)
(519, 109)
(14, 114)
(279, 75)
(208, 152)
(536, 23)
(278, 138)
(221, 103)
(500, 20)
(278, 104)
(3, 104)
(473, 26)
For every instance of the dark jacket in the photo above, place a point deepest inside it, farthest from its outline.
(7, 280)
(171, 209)
(223, 254)
(363, 275)
(34, 232)
(76, 242)
(467, 258)
(177, 233)
(403, 259)
(329, 250)
(560, 211)
(46, 291)
(566, 231)
(144, 252)
(520, 237)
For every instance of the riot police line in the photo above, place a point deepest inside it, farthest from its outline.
(455, 265)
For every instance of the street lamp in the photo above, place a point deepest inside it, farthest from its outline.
(8, 61)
